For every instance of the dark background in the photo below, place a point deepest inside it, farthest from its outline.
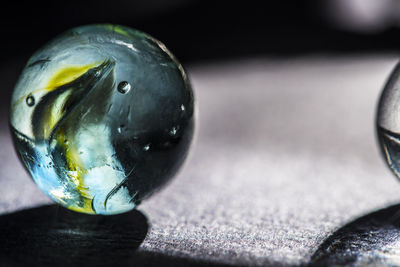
(210, 30)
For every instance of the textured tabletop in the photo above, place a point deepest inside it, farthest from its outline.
(285, 169)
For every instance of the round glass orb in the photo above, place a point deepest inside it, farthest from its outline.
(388, 121)
(101, 117)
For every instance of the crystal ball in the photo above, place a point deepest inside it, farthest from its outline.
(101, 117)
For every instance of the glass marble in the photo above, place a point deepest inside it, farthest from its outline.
(102, 117)
(388, 121)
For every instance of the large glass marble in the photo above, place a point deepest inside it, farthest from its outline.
(101, 117)
(388, 121)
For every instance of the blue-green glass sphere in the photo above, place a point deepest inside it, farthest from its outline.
(101, 117)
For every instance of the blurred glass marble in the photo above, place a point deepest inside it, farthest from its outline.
(101, 117)
(388, 121)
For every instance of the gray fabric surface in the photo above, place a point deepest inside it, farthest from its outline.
(285, 155)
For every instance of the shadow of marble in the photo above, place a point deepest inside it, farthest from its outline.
(371, 240)
(53, 236)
